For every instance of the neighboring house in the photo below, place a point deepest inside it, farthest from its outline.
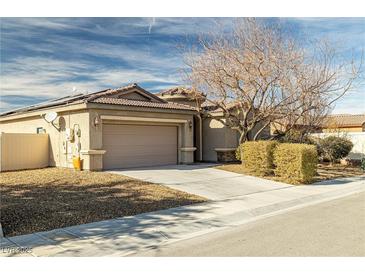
(335, 123)
(350, 126)
(125, 127)
(344, 123)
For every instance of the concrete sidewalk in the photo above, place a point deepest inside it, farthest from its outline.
(128, 235)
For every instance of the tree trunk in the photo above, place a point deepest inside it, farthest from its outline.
(260, 130)
(243, 137)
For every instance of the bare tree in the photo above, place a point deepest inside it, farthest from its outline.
(257, 75)
(320, 80)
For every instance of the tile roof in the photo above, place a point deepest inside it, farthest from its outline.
(211, 107)
(121, 89)
(344, 120)
(183, 91)
(135, 103)
(175, 91)
(101, 97)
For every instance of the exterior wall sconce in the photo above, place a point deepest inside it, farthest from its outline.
(190, 124)
(96, 121)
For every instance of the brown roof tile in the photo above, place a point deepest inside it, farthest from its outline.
(175, 91)
(188, 92)
(344, 120)
(127, 102)
(121, 89)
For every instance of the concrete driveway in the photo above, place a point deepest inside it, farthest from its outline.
(203, 180)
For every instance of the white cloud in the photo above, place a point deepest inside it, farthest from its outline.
(152, 22)
(147, 56)
(118, 27)
(47, 74)
(44, 77)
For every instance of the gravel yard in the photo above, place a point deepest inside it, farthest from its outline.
(45, 199)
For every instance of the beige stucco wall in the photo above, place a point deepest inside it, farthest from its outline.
(342, 129)
(23, 151)
(216, 135)
(60, 150)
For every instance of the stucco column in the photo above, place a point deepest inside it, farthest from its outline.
(187, 145)
(92, 159)
(93, 155)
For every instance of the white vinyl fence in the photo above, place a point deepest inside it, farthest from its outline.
(23, 151)
(357, 138)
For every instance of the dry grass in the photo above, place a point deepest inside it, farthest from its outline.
(324, 172)
(44, 199)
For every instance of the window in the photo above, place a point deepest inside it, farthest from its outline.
(40, 130)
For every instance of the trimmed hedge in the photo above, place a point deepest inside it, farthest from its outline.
(257, 156)
(297, 163)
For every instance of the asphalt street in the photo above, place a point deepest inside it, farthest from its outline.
(334, 228)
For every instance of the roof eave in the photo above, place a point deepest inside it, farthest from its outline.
(38, 112)
(94, 105)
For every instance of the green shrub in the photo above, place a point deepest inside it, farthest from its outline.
(257, 156)
(362, 164)
(334, 148)
(297, 163)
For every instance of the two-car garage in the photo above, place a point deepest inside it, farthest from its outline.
(126, 127)
(130, 145)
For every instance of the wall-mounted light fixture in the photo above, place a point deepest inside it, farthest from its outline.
(96, 121)
(190, 123)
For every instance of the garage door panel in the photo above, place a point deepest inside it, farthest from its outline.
(140, 160)
(138, 141)
(154, 148)
(158, 151)
(139, 145)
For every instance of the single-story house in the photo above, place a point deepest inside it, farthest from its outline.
(334, 123)
(125, 127)
(344, 123)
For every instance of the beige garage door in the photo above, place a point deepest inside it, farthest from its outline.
(139, 145)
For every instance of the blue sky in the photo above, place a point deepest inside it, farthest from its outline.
(44, 58)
